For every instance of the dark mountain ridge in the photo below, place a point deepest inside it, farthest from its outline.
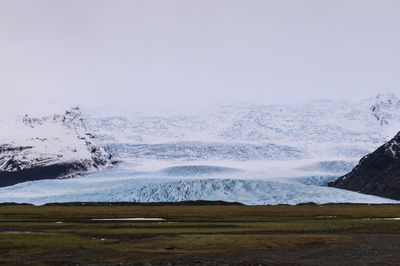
(377, 173)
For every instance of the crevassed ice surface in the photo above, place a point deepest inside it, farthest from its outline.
(254, 154)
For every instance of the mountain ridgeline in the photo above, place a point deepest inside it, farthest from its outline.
(377, 173)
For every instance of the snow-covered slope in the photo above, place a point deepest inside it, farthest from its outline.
(30, 145)
(324, 129)
(385, 108)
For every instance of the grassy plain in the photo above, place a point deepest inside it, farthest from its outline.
(195, 234)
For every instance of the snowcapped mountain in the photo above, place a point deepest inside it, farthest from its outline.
(255, 154)
(56, 146)
(386, 108)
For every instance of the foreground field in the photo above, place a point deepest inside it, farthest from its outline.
(199, 233)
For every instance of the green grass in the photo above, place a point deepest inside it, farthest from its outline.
(226, 242)
(31, 235)
(198, 213)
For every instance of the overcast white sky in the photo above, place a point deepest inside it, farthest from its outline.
(183, 53)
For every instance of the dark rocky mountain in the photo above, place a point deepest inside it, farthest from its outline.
(377, 173)
(57, 146)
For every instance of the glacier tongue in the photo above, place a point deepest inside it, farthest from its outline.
(113, 186)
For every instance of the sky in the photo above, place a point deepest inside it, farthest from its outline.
(181, 53)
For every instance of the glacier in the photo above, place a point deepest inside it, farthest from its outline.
(248, 153)
(123, 185)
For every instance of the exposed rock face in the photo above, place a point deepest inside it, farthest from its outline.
(57, 146)
(377, 173)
